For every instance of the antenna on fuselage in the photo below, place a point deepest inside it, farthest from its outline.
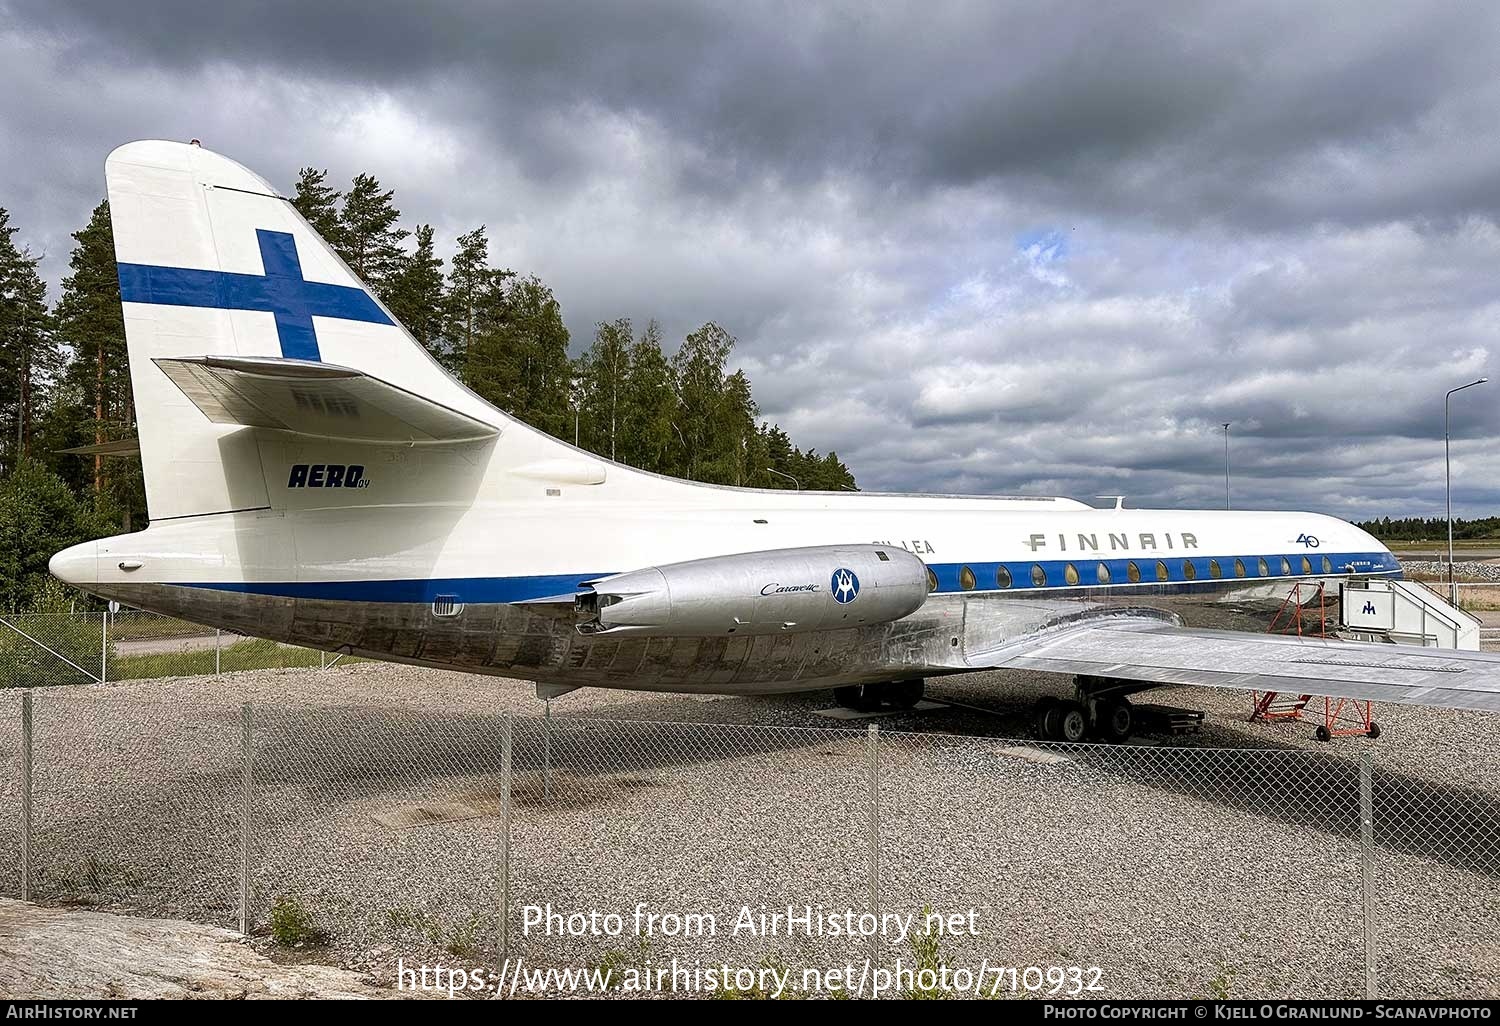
(1119, 500)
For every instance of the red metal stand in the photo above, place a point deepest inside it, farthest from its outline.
(1342, 717)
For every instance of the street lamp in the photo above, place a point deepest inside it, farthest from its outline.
(1448, 480)
(1226, 465)
(789, 477)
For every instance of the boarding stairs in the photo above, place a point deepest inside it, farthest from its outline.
(1373, 611)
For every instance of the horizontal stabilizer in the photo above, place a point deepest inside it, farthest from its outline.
(119, 447)
(312, 398)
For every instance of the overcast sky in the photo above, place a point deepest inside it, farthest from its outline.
(1042, 248)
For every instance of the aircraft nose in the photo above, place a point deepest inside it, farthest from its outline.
(77, 565)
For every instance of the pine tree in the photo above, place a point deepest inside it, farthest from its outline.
(518, 359)
(649, 402)
(417, 294)
(367, 226)
(602, 374)
(97, 377)
(318, 203)
(471, 286)
(29, 358)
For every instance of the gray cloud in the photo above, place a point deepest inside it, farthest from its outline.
(971, 247)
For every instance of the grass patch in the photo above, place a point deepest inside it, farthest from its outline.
(249, 654)
(292, 925)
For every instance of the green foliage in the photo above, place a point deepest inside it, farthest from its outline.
(292, 925)
(96, 404)
(1432, 529)
(29, 356)
(318, 203)
(369, 236)
(39, 515)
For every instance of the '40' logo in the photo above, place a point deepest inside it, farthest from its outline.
(1309, 540)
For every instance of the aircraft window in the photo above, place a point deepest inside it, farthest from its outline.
(931, 580)
(1306, 565)
(1239, 568)
(1189, 571)
(1103, 573)
(1265, 571)
(1286, 568)
(880, 555)
(1161, 571)
(1038, 575)
(1002, 577)
(1213, 569)
(1132, 572)
(1327, 565)
(1070, 574)
(966, 579)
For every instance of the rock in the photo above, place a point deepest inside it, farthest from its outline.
(67, 953)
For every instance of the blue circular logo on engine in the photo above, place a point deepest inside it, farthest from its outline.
(845, 585)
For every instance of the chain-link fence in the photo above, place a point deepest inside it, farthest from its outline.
(403, 831)
(43, 649)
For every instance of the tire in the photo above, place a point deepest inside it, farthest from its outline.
(1039, 717)
(1323, 734)
(1072, 723)
(851, 696)
(905, 694)
(1374, 730)
(1117, 721)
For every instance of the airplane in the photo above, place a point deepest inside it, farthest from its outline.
(313, 476)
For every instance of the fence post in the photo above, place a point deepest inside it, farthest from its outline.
(1367, 862)
(505, 753)
(104, 647)
(247, 778)
(216, 651)
(872, 745)
(26, 795)
(547, 750)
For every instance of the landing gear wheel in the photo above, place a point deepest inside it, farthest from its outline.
(858, 697)
(1072, 723)
(905, 694)
(1322, 734)
(1374, 730)
(1117, 721)
(1044, 718)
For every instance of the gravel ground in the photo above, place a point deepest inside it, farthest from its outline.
(1472, 570)
(1222, 862)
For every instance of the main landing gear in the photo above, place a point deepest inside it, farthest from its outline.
(899, 694)
(1099, 711)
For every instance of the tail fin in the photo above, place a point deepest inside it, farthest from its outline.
(217, 271)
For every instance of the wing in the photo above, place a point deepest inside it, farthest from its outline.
(1144, 649)
(312, 398)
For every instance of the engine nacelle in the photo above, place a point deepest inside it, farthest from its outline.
(823, 587)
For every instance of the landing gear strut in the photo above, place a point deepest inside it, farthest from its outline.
(900, 694)
(1099, 711)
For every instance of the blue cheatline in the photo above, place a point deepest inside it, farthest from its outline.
(519, 589)
(281, 291)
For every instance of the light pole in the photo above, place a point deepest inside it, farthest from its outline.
(1448, 480)
(797, 484)
(1226, 464)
